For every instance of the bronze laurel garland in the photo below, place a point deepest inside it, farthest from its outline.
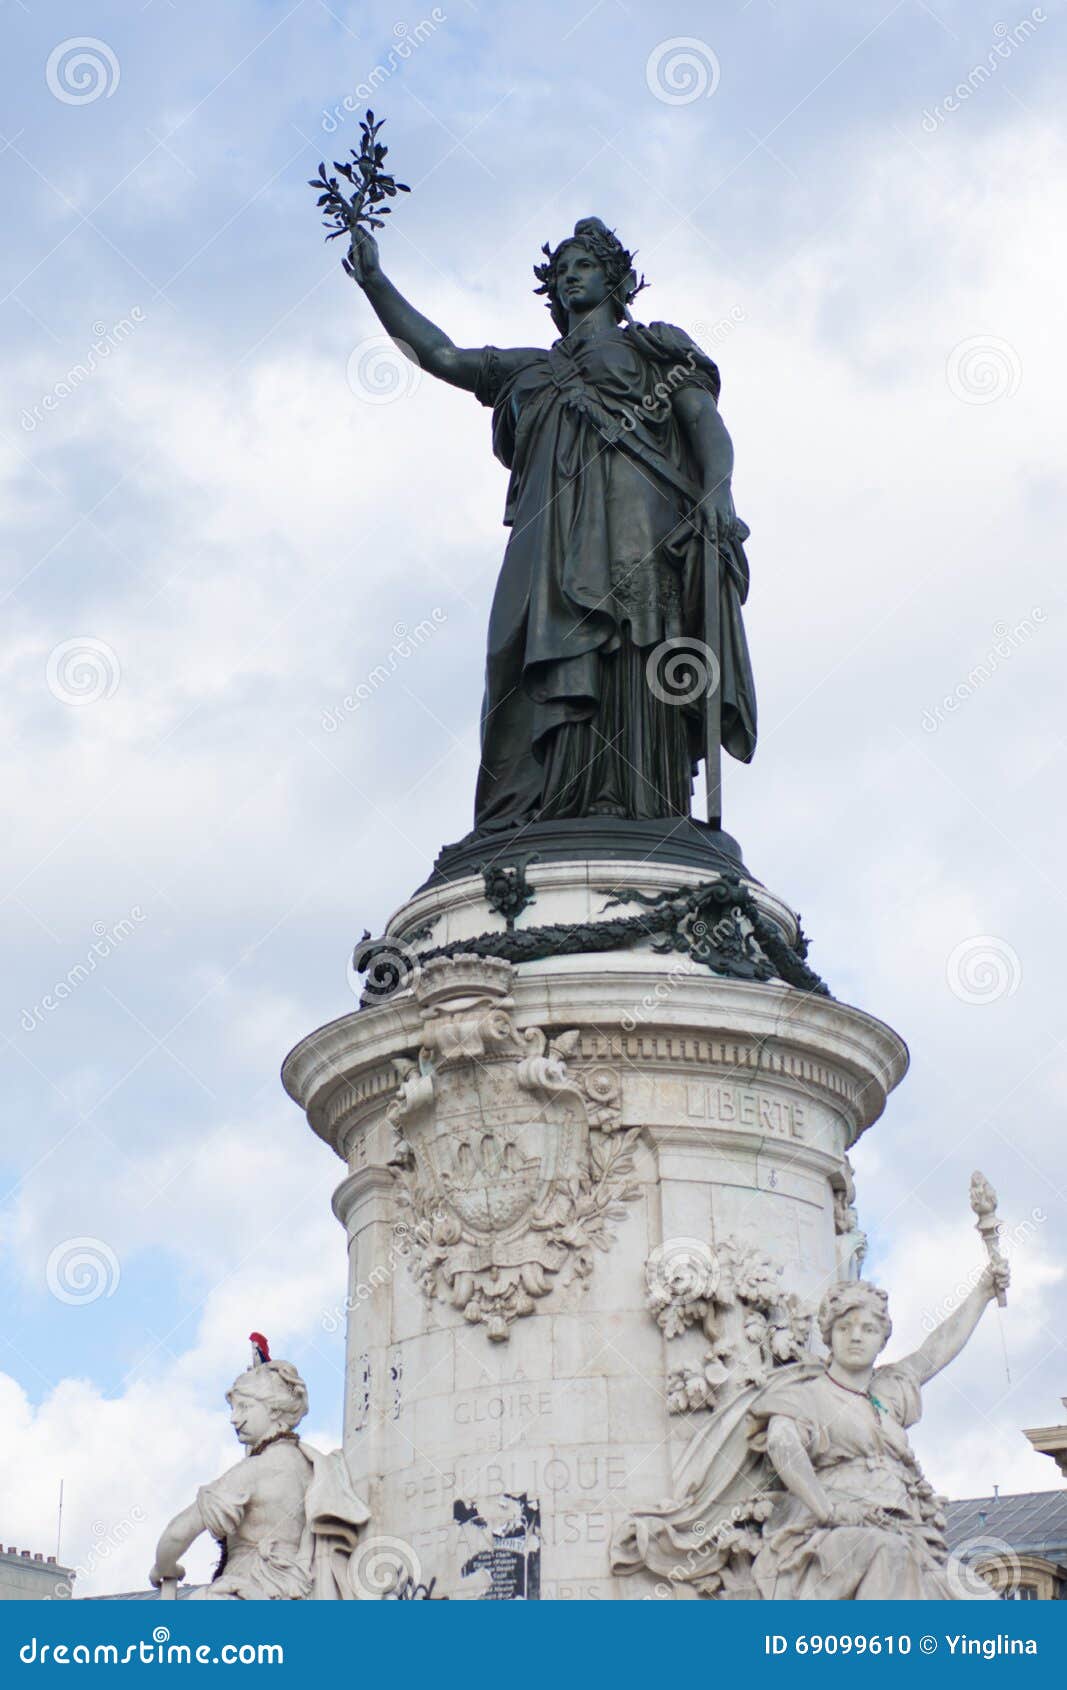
(704, 922)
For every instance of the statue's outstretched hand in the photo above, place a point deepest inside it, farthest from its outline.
(363, 262)
(996, 1278)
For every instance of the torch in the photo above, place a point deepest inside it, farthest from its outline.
(984, 1204)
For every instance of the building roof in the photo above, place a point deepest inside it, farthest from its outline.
(45, 1563)
(183, 1592)
(32, 1557)
(1032, 1523)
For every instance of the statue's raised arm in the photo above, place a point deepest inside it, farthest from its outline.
(413, 333)
(807, 1486)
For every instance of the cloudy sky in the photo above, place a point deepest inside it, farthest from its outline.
(224, 507)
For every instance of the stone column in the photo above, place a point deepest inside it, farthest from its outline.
(555, 1169)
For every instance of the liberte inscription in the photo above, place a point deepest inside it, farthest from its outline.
(745, 1109)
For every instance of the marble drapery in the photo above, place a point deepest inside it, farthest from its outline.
(738, 1532)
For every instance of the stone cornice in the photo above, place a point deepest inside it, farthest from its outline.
(1050, 1441)
(360, 1186)
(640, 1011)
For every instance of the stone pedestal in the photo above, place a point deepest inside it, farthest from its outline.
(555, 1168)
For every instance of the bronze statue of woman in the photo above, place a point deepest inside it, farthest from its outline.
(625, 549)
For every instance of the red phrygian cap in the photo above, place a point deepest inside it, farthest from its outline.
(260, 1348)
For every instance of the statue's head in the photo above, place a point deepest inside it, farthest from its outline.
(266, 1400)
(854, 1322)
(584, 270)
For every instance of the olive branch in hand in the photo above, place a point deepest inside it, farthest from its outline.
(372, 185)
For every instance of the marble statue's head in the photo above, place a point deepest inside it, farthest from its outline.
(586, 268)
(267, 1400)
(854, 1322)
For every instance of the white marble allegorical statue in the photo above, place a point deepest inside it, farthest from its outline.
(286, 1517)
(806, 1486)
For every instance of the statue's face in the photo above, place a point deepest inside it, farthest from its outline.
(857, 1338)
(581, 282)
(252, 1418)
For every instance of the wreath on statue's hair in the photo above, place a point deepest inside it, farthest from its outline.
(605, 246)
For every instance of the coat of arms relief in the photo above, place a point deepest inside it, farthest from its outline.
(512, 1167)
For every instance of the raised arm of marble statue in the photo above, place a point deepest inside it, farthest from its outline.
(948, 1339)
(431, 346)
(174, 1540)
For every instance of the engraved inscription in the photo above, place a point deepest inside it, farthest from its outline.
(746, 1110)
(514, 1405)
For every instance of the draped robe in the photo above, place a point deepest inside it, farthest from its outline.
(736, 1509)
(290, 1521)
(606, 561)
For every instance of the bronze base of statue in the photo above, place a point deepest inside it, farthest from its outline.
(679, 841)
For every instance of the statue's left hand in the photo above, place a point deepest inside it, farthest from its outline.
(996, 1278)
(718, 506)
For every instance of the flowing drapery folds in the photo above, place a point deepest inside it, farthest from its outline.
(605, 565)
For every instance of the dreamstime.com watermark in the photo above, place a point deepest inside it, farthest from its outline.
(106, 942)
(106, 1540)
(681, 70)
(380, 370)
(983, 969)
(405, 645)
(394, 966)
(384, 1568)
(81, 1271)
(713, 334)
(405, 1240)
(160, 1651)
(83, 671)
(407, 42)
(686, 969)
(1006, 642)
(681, 670)
(715, 1542)
(82, 69)
(1006, 41)
(959, 1293)
(982, 369)
(984, 1560)
(105, 342)
(655, 404)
